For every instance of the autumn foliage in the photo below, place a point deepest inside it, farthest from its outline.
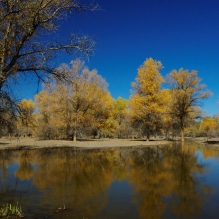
(146, 104)
(74, 107)
(80, 106)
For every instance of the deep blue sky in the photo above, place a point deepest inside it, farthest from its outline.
(179, 33)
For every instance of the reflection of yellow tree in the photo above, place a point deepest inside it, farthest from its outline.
(119, 168)
(25, 170)
(207, 153)
(168, 174)
(188, 192)
(163, 178)
(148, 176)
(77, 179)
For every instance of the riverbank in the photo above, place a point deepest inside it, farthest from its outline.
(31, 143)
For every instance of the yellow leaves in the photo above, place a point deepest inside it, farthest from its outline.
(149, 79)
(146, 102)
(120, 108)
(177, 106)
(110, 126)
(186, 94)
(27, 105)
(27, 117)
(82, 102)
(184, 80)
(208, 124)
(42, 100)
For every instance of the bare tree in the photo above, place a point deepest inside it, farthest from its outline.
(7, 114)
(23, 22)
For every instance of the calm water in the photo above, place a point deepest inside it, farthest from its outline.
(174, 181)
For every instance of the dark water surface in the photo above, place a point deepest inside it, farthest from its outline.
(173, 181)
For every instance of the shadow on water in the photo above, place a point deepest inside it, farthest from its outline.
(75, 183)
(145, 140)
(212, 142)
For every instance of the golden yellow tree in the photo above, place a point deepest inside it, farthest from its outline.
(170, 123)
(102, 115)
(46, 118)
(208, 125)
(146, 102)
(120, 116)
(216, 117)
(120, 109)
(26, 115)
(167, 119)
(193, 129)
(79, 104)
(186, 94)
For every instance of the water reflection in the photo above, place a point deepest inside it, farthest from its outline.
(26, 169)
(167, 181)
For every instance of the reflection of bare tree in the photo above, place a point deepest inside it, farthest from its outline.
(6, 158)
(7, 187)
(165, 179)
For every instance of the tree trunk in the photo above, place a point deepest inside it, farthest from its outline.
(75, 131)
(208, 135)
(148, 137)
(75, 135)
(182, 135)
(167, 135)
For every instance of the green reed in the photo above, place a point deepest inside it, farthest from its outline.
(11, 210)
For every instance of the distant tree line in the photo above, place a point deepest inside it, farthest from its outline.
(80, 106)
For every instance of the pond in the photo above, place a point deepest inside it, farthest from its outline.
(171, 181)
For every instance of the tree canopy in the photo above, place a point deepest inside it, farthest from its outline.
(80, 105)
(187, 92)
(73, 106)
(146, 102)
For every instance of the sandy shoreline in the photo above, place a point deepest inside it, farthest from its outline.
(32, 143)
